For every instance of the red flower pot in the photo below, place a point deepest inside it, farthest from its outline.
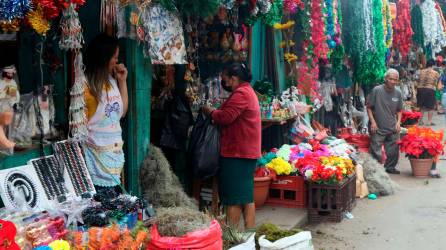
(421, 167)
(261, 190)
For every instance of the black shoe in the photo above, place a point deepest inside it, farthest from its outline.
(392, 171)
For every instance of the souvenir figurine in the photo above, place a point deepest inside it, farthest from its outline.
(8, 86)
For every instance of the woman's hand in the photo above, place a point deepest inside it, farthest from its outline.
(121, 73)
(207, 110)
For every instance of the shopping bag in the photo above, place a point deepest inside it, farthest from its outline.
(204, 148)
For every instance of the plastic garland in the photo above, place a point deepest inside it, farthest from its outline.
(417, 25)
(290, 6)
(387, 24)
(13, 9)
(433, 30)
(333, 23)
(402, 37)
(440, 12)
(373, 66)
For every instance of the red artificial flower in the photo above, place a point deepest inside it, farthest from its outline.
(416, 146)
(410, 115)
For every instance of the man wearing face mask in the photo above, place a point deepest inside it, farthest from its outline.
(224, 81)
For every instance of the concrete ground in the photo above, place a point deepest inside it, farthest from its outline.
(413, 218)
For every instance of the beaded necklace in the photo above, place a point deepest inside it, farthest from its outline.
(70, 156)
(51, 176)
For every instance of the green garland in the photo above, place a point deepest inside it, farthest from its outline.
(417, 25)
(373, 66)
(337, 58)
(201, 8)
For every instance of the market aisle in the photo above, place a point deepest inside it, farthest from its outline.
(413, 218)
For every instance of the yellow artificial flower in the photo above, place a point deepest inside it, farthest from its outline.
(287, 25)
(38, 21)
(59, 245)
(280, 166)
(290, 57)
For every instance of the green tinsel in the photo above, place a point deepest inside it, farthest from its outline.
(201, 8)
(417, 25)
(369, 65)
(337, 58)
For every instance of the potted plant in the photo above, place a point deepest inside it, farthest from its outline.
(262, 182)
(410, 118)
(421, 150)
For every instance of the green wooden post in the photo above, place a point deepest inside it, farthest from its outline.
(280, 61)
(137, 122)
(257, 53)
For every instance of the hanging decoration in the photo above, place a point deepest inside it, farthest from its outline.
(13, 9)
(10, 26)
(387, 24)
(164, 35)
(71, 31)
(365, 41)
(267, 11)
(333, 32)
(440, 12)
(402, 37)
(77, 117)
(434, 34)
(291, 6)
(417, 25)
(38, 22)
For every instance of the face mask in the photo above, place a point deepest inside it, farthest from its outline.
(225, 87)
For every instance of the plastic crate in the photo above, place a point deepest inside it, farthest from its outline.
(329, 202)
(288, 191)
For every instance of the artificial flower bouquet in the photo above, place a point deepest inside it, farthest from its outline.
(325, 170)
(314, 161)
(409, 118)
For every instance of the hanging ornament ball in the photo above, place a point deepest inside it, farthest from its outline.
(338, 40)
(332, 44)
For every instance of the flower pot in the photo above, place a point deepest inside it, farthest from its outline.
(261, 190)
(421, 167)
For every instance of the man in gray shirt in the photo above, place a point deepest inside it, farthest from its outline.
(384, 107)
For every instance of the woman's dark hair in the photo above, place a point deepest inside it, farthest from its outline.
(98, 55)
(430, 63)
(239, 70)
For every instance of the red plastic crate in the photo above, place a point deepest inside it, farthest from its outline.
(288, 191)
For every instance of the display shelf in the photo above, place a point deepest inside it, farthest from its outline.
(266, 123)
(8, 37)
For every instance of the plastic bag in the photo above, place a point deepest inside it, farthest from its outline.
(24, 121)
(204, 148)
(208, 239)
(250, 244)
(300, 241)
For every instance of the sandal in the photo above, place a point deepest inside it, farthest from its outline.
(431, 124)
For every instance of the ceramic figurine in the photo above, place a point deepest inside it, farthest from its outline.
(5, 120)
(8, 86)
